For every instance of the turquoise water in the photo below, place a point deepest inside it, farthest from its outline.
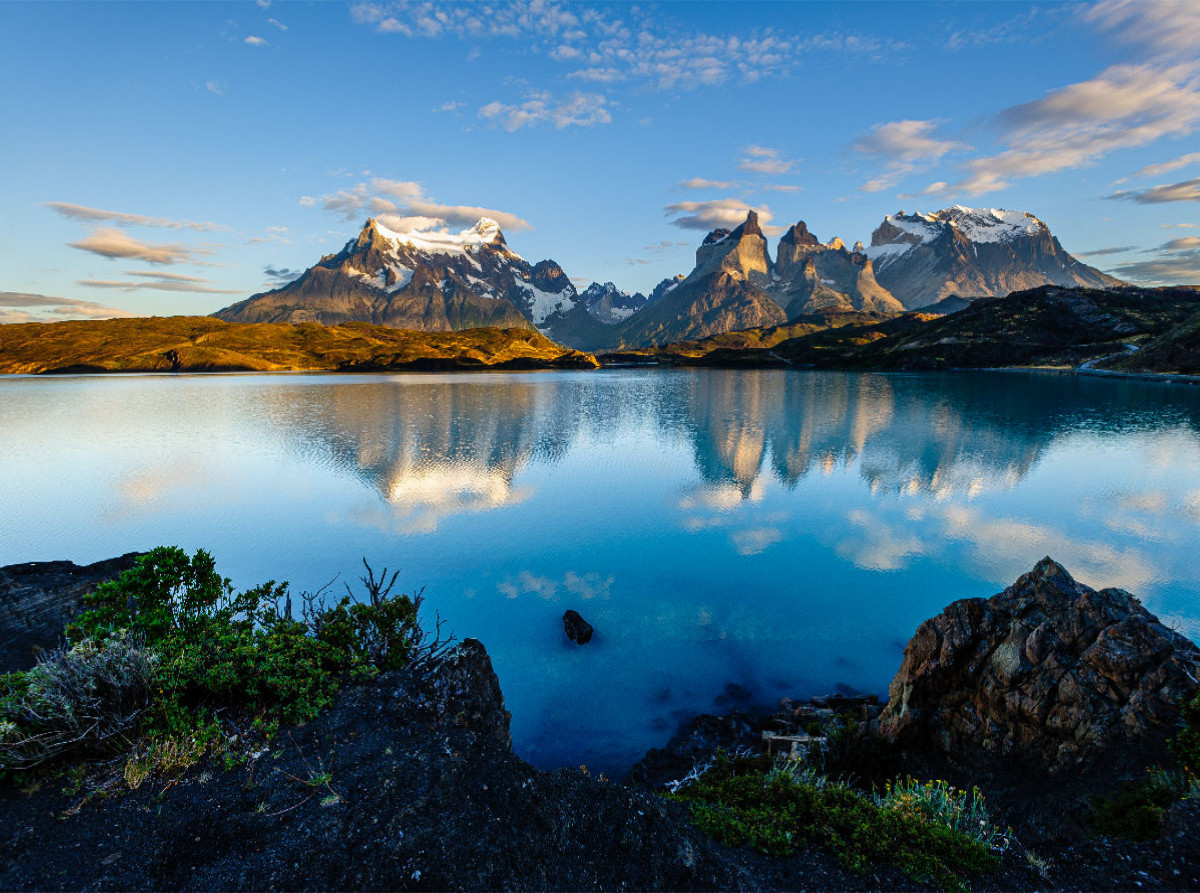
(734, 536)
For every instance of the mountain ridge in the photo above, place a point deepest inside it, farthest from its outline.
(441, 281)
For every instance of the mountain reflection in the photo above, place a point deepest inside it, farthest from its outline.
(433, 448)
(437, 448)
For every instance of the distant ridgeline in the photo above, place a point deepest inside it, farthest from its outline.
(445, 282)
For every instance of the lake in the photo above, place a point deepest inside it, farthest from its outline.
(733, 536)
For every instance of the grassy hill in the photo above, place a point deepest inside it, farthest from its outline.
(205, 344)
(1176, 350)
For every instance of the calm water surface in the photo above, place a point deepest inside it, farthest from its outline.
(734, 536)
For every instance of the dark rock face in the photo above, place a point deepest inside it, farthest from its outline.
(39, 598)
(1048, 673)
(420, 790)
(577, 629)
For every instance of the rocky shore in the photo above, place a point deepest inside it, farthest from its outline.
(1044, 696)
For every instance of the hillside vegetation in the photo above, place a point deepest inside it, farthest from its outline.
(1046, 326)
(205, 344)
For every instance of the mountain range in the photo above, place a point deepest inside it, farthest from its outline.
(439, 281)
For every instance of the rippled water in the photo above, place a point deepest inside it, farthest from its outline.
(733, 536)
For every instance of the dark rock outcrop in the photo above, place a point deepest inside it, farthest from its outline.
(39, 598)
(577, 629)
(1048, 674)
(406, 782)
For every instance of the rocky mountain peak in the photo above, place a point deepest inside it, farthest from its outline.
(488, 231)
(798, 234)
(923, 257)
(749, 228)
(715, 236)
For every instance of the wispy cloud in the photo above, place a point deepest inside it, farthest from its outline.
(403, 206)
(27, 307)
(151, 280)
(1174, 262)
(96, 215)
(1101, 252)
(764, 160)
(278, 276)
(1164, 26)
(721, 213)
(903, 147)
(540, 107)
(1187, 191)
(215, 87)
(278, 24)
(702, 183)
(1123, 107)
(113, 243)
(1165, 167)
(256, 41)
(606, 45)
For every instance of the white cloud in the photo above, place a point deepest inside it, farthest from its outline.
(403, 206)
(1163, 26)
(256, 41)
(1157, 170)
(95, 215)
(278, 24)
(1123, 107)
(153, 280)
(904, 147)
(215, 87)
(762, 160)
(701, 183)
(1187, 191)
(578, 110)
(112, 243)
(26, 307)
(611, 44)
(721, 213)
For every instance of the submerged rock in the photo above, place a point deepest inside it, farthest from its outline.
(577, 629)
(1048, 673)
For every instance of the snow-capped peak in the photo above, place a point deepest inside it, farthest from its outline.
(991, 224)
(485, 232)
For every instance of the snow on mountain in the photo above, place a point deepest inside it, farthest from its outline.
(468, 242)
(924, 257)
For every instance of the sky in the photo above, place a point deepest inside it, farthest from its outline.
(175, 157)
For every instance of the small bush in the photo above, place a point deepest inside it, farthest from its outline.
(168, 647)
(89, 697)
(1136, 811)
(1186, 744)
(777, 810)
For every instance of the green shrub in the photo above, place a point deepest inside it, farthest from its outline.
(169, 646)
(750, 801)
(1136, 811)
(1186, 744)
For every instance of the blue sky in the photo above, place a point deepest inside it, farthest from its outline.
(164, 158)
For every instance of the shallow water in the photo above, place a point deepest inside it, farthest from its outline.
(734, 536)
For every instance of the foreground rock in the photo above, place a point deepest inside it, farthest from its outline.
(1047, 674)
(39, 598)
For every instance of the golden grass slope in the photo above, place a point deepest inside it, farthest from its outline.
(205, 344)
